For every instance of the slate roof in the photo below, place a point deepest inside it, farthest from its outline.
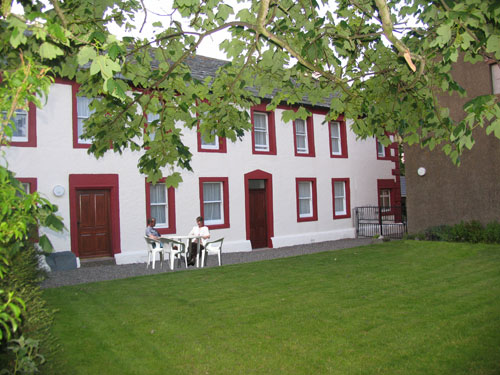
(203, 67)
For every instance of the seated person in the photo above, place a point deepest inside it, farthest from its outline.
(198, 230)
(151, 232)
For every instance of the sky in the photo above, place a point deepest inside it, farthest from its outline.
(160, 10)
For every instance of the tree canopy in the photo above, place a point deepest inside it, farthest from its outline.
(380, 63)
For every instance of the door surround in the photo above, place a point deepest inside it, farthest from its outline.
(95, 181)
(260, 175)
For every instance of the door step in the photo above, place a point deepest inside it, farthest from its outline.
(96, 262)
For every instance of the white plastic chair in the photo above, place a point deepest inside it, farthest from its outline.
(211, 248)
(153, 250)
(175, 250)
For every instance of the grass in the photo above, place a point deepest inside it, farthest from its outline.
(405, 307)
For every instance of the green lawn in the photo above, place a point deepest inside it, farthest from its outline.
(404, 307)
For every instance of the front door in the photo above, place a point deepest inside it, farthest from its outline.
(93, 223)
(258, 215)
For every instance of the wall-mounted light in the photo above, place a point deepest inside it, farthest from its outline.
(58, 190)
(421, 171)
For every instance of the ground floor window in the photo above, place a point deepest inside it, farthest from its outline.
(306, 199)
(214, 200)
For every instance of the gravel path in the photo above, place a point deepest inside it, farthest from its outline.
(89, 273)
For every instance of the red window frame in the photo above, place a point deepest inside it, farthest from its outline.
(221, 140)
(387, 151)
(222, 144)
(314, 193)
(32, 139)
(343, 138)
(310, 139)
(347, 189)
(32, 181)
(271, 128)
(225, 197)
(171, 208)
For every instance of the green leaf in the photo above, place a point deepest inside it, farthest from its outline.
(86, 54)
(173, 180)
(493, 45)
(494, 127)
(444, 34)
(50, 51)
(45, 243)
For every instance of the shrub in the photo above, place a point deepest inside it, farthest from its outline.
(492, 232)
(24, 279)
(439, 233)
(472, 231)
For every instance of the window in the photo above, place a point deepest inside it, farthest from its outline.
(383, 152)
(151, 117)
(341, 198)
(210, 142)
(263, 131)
(301, 136)
(304, 137)
(83, 112)
(215, 144)
(20, 131)
(214, 201)
(160, 204)
(210, 145)
(338, 139)
(24, 130)
(385, 199)
(380, 150)
(306, 199)
(29, 185)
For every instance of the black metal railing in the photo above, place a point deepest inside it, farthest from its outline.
(380, 221)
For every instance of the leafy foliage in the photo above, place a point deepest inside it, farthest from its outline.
(471, 231)
(381, 63)
(21, 307)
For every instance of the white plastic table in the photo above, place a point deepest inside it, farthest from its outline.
(188, 240)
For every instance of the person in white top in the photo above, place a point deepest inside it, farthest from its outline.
(198, 230)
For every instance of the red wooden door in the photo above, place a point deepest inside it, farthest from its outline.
(93, 222)
(258, 218)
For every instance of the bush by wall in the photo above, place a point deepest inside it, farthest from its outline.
(472, 232)
(24, 279)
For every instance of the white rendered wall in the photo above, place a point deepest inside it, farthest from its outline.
(54, 159)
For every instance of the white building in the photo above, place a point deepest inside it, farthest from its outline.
(283, 184)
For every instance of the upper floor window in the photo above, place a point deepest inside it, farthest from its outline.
(20, 130)
(338, 139)
(208, 144)
(160, 204)
(151, 118)
(214, 199)
(306, 199)
(304, 137)
(211, 143)
(23, 124)
(341, 198)
(83, 112)
(263, 131)
(385, 152)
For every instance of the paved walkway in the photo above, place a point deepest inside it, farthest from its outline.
(89, 273)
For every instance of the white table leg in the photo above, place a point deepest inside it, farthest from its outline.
(198, 253)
